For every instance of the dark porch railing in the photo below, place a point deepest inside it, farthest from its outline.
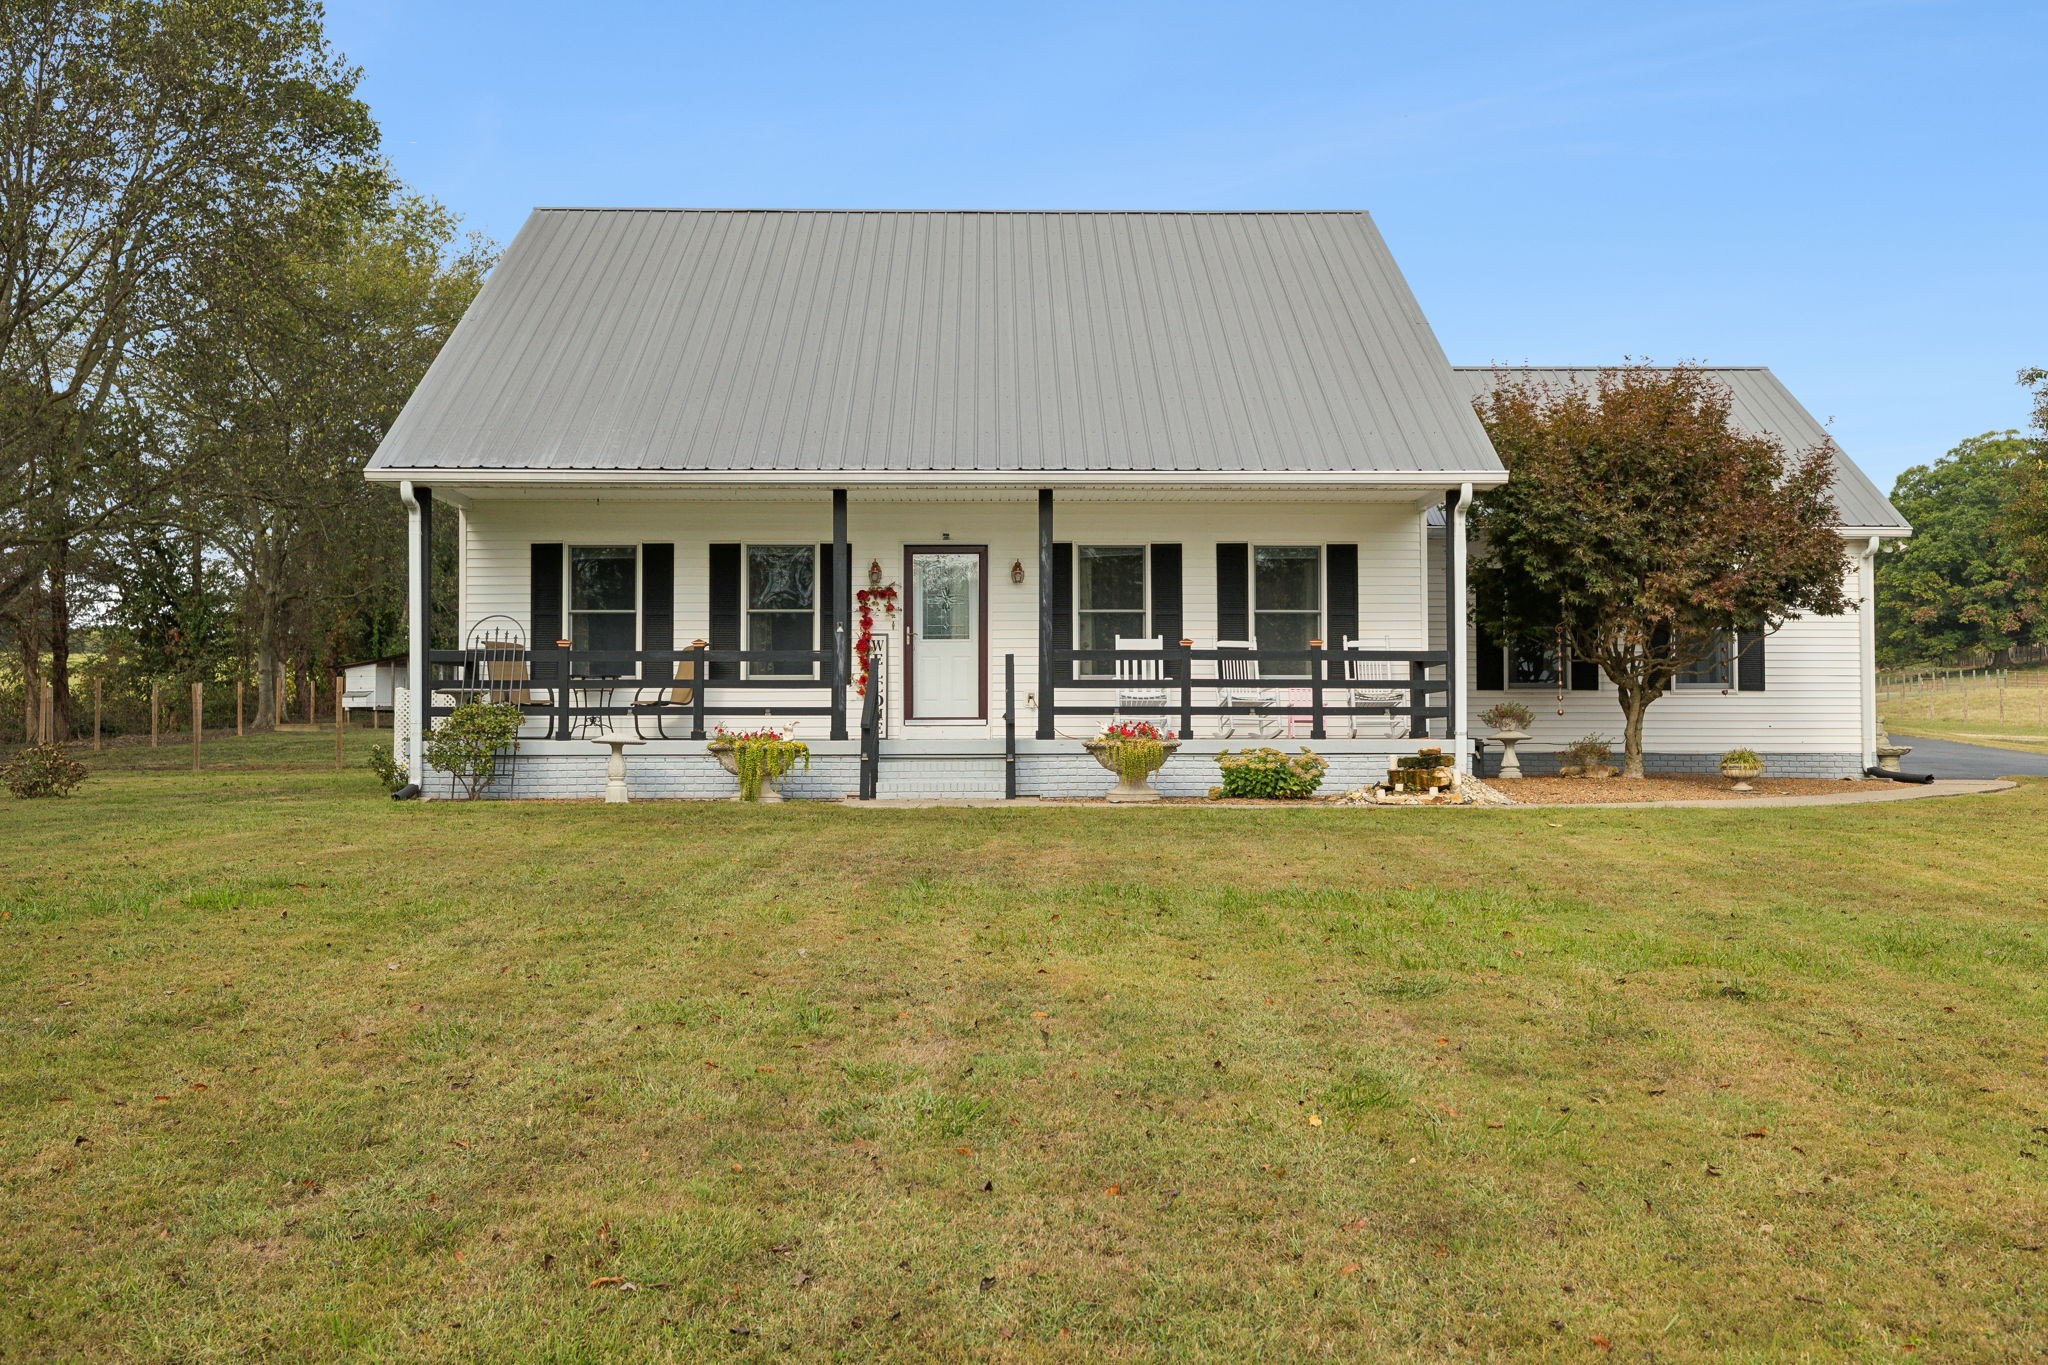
(579, 689)
(1192, 679)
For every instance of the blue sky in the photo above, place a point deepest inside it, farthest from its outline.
(1848, 192)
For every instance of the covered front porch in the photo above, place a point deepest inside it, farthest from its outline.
(941, 639)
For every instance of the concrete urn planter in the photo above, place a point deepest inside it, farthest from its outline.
(1742, 774)
(1128, 789)
(723, 753)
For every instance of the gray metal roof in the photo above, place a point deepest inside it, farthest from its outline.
(1761, 406)
(692, 340)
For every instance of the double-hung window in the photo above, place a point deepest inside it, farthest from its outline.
(782, 591)
(1109, 600)
(604, 596)
(1287, 602)
(1532, 664)
(1714, 670)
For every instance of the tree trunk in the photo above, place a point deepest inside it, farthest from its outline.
(60, 644)
(267, 700)
(1635, 701)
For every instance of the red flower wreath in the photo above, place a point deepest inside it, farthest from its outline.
(866, 600)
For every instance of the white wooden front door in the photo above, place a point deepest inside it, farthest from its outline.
(945, 634)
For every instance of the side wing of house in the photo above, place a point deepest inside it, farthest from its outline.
(1804, 696)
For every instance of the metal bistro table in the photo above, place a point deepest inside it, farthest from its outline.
(599, 695)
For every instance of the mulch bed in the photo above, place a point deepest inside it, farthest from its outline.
(1574, 791)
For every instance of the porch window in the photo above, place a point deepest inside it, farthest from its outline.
(603, 602)
(1715, 670)
(1531, 664)
(1109, 600)
(781, 605)
(1287, 602)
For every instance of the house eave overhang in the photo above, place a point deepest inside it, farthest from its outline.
(914, 478)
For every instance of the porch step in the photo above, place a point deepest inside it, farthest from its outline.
(928, 776)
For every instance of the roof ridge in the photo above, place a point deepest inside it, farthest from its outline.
(1127, 213)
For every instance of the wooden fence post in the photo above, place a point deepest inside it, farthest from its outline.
(198, 719)
(154, 689)
(312, 696)
(339, 717)
(277, 709)
(238, 708)
(46, 716)
(96, 699)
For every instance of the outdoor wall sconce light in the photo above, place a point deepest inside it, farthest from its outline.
(874, 573)
(1017, 572)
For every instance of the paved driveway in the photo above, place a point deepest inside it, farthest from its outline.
(1950, 758)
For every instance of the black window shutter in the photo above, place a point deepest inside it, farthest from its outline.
(823, 600)
(1166, 617)
(1063, 604)
(1166, 613)
(544, 595)
(1340, 593)
(1489, 666)
(658, 603)
(1585, 675)
(1233, 592)
(725, 608)
(1749, 662)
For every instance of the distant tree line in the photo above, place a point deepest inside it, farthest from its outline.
(1972, 582)
(214, 299)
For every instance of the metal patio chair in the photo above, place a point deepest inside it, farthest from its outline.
(661, 704)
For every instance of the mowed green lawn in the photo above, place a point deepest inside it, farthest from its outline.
(290, 1071)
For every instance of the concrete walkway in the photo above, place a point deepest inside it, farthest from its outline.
(1952, 758)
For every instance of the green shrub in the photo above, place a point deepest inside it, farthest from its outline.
(1269, 775)
(43, 770)
(1589, 751)
(386, 766)
(466, 744)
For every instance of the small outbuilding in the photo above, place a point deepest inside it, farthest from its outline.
(371, 684)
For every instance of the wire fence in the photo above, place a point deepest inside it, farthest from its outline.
(2008, 697)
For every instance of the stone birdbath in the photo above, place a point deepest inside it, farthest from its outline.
(615, 766)
(1510, 761)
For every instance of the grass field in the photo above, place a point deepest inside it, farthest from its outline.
(290, 1071)
(1981, 708)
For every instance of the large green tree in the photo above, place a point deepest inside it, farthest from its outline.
(1645, 525)
(2026, 514)
(1960, 585)
(137, 137)
(311, 341)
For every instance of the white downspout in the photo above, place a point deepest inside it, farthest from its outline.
(416, 638)
(1456, 644)
(1867, 651)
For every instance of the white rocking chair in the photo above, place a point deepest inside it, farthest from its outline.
(1241, 674)
(1361, 673)
(1141, 683)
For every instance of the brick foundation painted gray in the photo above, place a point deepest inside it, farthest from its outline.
(653, 777)
(1544, 764)
(1054, 769)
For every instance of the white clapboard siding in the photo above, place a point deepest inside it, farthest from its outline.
(1811, 701)
(497, 534)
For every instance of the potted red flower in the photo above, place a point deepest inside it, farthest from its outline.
(1133, 750)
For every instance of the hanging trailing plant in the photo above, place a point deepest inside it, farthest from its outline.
(1137, 749)
(865, 601)
(760, 758)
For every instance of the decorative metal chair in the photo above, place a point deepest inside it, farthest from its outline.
(1361, 674)
(1240, 673)
(661, 704)
(1141, 683)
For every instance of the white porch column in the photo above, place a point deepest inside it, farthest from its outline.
(416, 635)
(1866, 648)
(1455, 625)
